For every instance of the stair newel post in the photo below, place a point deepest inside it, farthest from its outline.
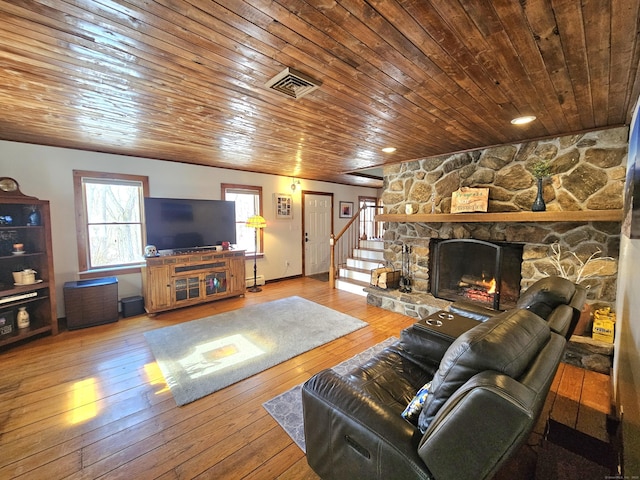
(332, 265)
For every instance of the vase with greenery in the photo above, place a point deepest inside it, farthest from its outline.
(541, 170)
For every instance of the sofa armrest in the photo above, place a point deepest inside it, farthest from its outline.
(423, 346)
(349, 435)
(479, 427)
(577, 304)
(472, 310)
(579, 298)
(560, 319)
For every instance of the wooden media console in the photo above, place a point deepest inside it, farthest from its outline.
(184, 279)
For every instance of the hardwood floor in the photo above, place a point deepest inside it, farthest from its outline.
(92, 403)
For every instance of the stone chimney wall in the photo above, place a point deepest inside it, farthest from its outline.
(588, 173)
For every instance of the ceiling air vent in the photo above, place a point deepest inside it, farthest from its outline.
(293, 83)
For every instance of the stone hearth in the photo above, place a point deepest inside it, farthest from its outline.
(416, 305)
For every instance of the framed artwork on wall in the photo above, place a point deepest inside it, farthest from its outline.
(284, 205)
(346, 209)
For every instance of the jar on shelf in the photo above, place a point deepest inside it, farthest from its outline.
(23, 317)
(34, 218)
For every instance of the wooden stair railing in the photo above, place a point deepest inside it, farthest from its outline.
(342, 244)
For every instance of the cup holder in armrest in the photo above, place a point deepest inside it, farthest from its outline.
(446, 324)
(437, 322)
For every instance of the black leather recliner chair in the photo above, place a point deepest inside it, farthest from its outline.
(555, 299)
(488, 388)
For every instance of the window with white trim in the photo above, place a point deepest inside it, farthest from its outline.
(248, 200)
(110, 220)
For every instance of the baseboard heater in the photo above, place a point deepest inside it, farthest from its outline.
(259, 281)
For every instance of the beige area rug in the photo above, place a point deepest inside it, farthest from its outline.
(202, 356)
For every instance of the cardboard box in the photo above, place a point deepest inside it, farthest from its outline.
(604, 322)
(603, 330)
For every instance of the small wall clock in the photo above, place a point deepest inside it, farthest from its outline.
(8, 185)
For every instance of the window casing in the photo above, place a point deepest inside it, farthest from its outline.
(248, 200)
(110, 221)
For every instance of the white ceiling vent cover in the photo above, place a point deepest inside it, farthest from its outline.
(293, 83)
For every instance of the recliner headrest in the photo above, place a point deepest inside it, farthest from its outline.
(546, 294)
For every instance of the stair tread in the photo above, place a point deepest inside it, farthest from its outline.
(355, 269)
(354, 282)
(365, 259)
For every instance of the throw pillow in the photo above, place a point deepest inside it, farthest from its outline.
(412, 412)
(505, 343)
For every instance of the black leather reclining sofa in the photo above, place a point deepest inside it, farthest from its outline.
(487, 389)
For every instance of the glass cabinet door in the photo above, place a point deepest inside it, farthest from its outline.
(215, 282)
(187, 288)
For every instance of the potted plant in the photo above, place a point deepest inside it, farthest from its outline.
(541, 170)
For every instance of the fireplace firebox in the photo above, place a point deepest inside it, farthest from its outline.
(477, 271)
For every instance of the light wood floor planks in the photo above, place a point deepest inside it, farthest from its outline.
(581, 400)
(92, 403)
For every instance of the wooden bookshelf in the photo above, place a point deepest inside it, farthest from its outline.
(25, 220)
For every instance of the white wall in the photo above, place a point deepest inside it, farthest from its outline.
(627, 351)
(46, 173)
(626, 364)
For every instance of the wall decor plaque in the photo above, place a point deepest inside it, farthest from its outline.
(467, 199)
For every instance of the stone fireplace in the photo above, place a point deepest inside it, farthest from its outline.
(475, 270)
(588, 174)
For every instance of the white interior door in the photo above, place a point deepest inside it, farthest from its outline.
(317, 231)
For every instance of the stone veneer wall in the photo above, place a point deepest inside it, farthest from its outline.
(588, 174)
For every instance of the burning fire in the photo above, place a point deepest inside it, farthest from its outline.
(478, 289)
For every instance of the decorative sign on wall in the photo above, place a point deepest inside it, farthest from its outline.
(468, 199)
(284, 205)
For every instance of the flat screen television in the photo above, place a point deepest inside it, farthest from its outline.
(180, 224)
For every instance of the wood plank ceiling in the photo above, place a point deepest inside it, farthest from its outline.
(184, 80)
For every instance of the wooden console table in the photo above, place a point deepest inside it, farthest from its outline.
(181, 280)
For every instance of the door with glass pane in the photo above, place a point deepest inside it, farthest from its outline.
(215, 283)
(186, 288)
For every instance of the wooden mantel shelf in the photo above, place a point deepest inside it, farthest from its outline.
(516, 217)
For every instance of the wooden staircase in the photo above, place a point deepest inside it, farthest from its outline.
(354, 275)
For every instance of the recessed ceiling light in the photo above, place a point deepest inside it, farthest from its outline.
(523, 120)
(389, 149)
